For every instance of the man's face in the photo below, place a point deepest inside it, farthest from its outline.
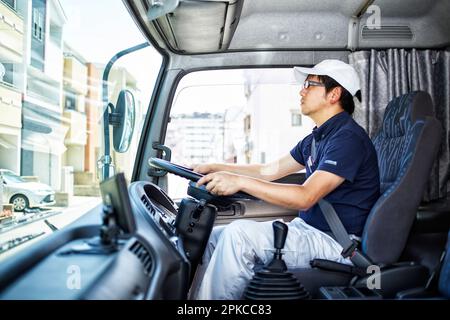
(313, 98)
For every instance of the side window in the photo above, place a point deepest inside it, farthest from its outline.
(234, 116)
(51, 109)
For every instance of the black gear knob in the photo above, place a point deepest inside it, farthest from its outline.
(280, 231)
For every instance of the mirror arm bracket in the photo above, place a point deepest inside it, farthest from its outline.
(114, 119)
(106, 112)
(167, 155)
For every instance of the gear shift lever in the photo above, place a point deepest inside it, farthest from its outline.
(280, 231)
(273, 282)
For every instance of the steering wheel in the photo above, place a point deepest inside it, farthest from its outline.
(198, 193)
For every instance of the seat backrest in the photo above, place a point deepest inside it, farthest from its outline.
(406, 145)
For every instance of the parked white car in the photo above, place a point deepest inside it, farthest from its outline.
(23, 194)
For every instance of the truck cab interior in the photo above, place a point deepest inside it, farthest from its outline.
(144, 245)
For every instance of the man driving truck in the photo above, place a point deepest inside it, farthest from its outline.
(342, 169)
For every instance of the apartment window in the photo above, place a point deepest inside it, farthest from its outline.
(38, 24)
(296, 119)
(11, 3)
(70, 102)
(9, 72)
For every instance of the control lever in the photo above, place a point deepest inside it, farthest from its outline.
(273, 281)
(280, 231)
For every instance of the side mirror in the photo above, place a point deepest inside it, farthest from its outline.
(122, 119)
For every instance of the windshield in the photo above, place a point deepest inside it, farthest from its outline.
(234, 116)
(51, 123)
(10, 177)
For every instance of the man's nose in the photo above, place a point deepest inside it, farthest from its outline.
(302, 92)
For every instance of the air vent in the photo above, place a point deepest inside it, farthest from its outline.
(143, 255)
(148, 205)
(387, 33)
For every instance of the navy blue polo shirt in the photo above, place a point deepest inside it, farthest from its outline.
(345, 149)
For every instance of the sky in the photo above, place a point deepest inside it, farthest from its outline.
(98, 29)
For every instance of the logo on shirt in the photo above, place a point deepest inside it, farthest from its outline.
(334, 163)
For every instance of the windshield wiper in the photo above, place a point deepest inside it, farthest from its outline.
(8, 245)
(50, 225)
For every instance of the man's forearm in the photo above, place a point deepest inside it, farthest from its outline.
(251, 170)
(285, 195)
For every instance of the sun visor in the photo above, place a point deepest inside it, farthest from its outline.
(200, 26)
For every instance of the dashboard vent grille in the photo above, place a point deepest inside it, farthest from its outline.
(143, 255)
(148, 205)
(387, 32)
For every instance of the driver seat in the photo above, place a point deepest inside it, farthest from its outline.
(407, 145)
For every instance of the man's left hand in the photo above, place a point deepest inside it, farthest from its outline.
(221, 183)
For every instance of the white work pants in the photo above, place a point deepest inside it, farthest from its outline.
(232, 251)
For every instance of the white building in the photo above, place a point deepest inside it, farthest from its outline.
(274, 124)
(42, 74)
(197, 137)
(12, 39)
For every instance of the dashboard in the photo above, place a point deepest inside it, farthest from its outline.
(155, 262)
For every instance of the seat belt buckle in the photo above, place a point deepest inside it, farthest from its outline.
(350, 250)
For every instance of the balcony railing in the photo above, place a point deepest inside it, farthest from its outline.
(10, 106)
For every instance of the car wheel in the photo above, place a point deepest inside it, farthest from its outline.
(20, 202)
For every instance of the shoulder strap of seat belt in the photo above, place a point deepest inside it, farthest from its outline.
(350, 247)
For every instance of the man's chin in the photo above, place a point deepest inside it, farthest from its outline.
(303, 109)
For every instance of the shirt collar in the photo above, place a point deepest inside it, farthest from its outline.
(335, 121)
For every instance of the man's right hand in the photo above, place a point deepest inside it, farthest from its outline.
(204, 168)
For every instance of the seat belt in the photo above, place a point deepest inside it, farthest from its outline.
(350, 247)
(433, 280)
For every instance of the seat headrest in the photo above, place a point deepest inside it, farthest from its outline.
(399, 116)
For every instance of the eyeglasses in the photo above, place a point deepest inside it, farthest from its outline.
(310, 83)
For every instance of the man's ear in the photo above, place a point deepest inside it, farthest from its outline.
(335, 95)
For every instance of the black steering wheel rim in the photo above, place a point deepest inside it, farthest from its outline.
(194, 177)
(175, 169)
